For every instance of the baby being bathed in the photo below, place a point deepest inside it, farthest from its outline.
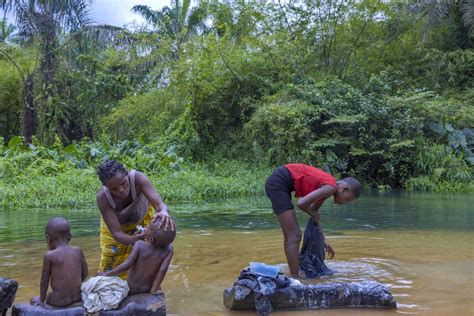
(149, 260)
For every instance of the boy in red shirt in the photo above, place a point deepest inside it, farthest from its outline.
(313, 186)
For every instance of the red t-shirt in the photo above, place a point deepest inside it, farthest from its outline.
(308, 178)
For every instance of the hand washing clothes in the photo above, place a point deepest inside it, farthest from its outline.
(103, 293)
(312, 253)
(262, 287)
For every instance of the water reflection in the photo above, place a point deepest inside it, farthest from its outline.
(372, 211)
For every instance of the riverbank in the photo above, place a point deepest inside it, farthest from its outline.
(78, 187)
(56, 176)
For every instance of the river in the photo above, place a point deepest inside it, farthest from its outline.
(420, 245)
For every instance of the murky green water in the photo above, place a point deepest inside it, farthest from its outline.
(419, 245)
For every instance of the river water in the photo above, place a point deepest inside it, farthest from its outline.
(419, 245)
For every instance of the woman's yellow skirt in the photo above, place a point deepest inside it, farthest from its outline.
(114, 253)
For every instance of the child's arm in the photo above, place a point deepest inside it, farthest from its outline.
(85, 269)
(127, 264)
(45, 277)
(161, 272)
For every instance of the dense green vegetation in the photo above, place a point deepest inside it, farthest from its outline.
(227, 90)
(37, 176)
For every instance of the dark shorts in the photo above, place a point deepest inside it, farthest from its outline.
(278, 188)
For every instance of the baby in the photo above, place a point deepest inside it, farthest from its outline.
(64, 267)
(149, 260)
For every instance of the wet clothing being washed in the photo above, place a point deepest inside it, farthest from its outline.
(312, 253)
(139, 212)
(262, 287)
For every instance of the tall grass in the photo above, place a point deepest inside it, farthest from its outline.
(78, 187)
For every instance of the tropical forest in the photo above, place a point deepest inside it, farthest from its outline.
(208, 97)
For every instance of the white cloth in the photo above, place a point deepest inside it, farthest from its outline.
(103, 293)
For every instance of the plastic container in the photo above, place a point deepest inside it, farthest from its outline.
(264, 269)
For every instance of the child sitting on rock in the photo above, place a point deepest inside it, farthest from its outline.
(149, 260)
(64, 267)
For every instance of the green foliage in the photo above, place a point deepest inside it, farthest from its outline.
(37, 176)
(280, 129)
(438, 168)
(370, 89)
(182, 134)
(10, 99)
(335, 126)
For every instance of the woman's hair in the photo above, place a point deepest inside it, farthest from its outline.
(110, 168)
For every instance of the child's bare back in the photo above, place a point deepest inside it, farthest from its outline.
(64, 267)
(148, 262)
(66, 264)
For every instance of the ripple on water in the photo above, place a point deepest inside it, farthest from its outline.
(360, 270)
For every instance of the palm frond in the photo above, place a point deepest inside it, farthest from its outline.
(150, 15)
(184, 12)
(467, 10)
(105, 35)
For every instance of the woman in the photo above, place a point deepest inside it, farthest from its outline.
(126, 200)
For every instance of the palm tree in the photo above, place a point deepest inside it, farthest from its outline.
(28, 117)
(6, 30)
(467, 9)
(458, 14)
(178, 22)
(43, 21)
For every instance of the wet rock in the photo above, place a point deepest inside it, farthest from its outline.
(8, 289)
(318, 296)
(139, 304)
(27, 309)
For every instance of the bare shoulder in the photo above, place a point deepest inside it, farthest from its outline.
(100, 196)
(140, 177)
(328, 188)
(139, 244)
(76, 249)
(49, 255)
(53, 255)
(102, 202)
(168, 249)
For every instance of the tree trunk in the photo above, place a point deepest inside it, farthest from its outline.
(29, 114)
(48, 116)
